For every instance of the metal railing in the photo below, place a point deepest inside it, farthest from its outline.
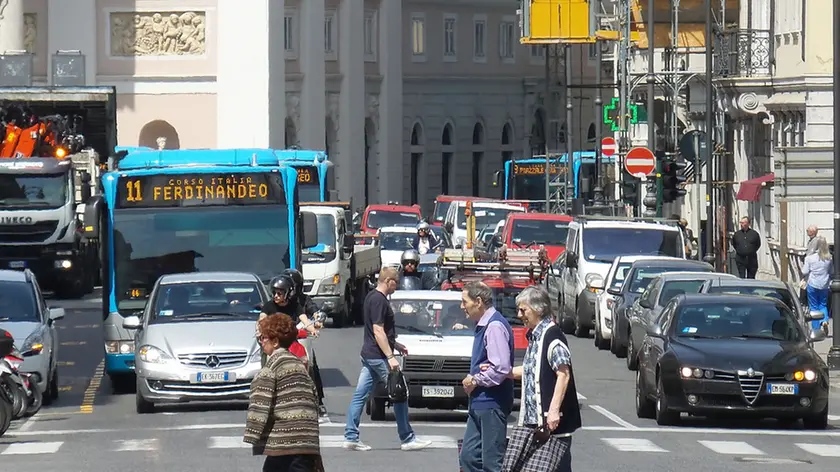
(743, 53)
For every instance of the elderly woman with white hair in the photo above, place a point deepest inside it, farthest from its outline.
(549, 412)
(817, 270)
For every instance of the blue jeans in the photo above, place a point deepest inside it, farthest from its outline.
(818, 301)
(484, 441)
(374, 371)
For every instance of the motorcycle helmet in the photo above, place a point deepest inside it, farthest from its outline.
(296, 277)
(283, 286)
(423, 226)
(410, 255)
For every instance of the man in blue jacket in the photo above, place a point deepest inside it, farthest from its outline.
(488, 385)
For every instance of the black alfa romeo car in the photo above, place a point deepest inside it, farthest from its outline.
(710, 355)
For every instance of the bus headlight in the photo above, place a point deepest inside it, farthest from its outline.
(119, 347)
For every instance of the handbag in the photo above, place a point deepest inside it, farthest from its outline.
(534, 450)
(397, 387)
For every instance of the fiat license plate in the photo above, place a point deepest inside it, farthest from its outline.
(17, 265)
(438, 392)
(782, 389)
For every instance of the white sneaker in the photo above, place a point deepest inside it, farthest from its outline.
(323, 419)
(415, 445)
(356, 446)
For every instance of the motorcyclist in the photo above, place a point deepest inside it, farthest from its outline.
(306, 308)
(410, 278)
(282, 291)
(427, 241)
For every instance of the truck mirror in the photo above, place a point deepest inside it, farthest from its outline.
(349, 243)
(86, 192)
(308, 229)
(85, 177)
(94, 208)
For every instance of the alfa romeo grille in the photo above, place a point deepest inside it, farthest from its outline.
(751, 382)
(225, 359)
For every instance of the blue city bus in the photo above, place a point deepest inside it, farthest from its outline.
(174, 211)
(525, 179)
(313, 172)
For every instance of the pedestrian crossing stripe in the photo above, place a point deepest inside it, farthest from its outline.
(621, 444)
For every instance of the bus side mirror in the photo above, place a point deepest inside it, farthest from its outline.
(94, 208)
(497, 176)
(308, 229)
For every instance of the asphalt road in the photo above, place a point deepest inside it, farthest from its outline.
(90, 428)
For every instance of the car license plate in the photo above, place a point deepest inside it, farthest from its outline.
(215, 377)
(17, 265)
(439, 392)
(782, 389)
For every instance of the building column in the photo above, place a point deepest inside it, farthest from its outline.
(11, 25)
(313, 94)
(81, 14)
(351, 103)
(250, 38)
(391, 159)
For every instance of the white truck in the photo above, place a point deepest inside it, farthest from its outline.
(337, 272)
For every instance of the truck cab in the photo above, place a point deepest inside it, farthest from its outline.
(526, 230)
(336, 270)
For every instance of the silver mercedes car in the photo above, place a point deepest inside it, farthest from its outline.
(196, 338)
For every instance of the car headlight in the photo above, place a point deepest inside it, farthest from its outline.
(119, 347)
(805, 375)
(34, 343)
(256, 356)
(329, 286)
(695, 373)
(153, 355)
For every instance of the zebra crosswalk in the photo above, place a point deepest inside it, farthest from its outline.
(674, 444)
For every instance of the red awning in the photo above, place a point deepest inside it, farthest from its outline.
(750, 190)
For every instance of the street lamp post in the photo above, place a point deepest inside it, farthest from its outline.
(710, 142)
(834, 351)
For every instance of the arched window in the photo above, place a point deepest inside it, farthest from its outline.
(447, 153)
(417, 151)
(477, 158)
(507, 142)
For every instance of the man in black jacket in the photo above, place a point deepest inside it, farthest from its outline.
(746, 243)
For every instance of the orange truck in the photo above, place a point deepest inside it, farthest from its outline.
(534, 230)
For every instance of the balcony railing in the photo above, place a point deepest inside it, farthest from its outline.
(743, 53)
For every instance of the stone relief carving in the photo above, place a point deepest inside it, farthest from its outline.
(158, 34)
(30, 32)
(3, 5)
(373, 106)
(293, 107)
(751, 103)
(333, 108)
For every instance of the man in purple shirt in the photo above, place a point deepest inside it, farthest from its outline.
(488, 385)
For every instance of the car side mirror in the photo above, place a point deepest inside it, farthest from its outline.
(644, 303)
(595, 281)
(56, 314)
(132, 322)
(614, 291)
(814, 315)
(816, 336)
(571, 260)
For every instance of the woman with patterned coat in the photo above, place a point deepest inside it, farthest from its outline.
(283, 411)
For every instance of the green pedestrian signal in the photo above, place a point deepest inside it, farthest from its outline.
(613, 118)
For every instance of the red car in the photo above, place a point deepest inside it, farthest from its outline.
(532, 230)
(380, 216)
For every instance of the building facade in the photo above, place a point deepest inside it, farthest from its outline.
(410, 98)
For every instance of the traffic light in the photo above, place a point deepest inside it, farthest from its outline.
(629, 188)
(672, 180)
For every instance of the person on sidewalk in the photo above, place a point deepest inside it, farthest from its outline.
(746, 243)
(378, 346)
(817, 270)
(489, 386)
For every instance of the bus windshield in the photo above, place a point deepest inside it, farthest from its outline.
(527, 187)
(149, 243)
(309, 192)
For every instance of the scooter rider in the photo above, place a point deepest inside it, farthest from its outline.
(282, 290)
(306, 307)
(427, 241)
(410, 278)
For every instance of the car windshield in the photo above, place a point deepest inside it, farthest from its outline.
(778, 293)
(380, 218)
(484, 216)
(440, 210)
(643, 276)
(676, 288)
(760, 320)
(17, 302)
(25, 190)
(431, 316)
(398, 241)
(599, 244)
(149, 243)
(620, 274)
(201, 301)
(548, 232)
(504, 300)
(325, 251)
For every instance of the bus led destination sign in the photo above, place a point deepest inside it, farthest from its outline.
(537, 169)
(308, 176)
(160, 191)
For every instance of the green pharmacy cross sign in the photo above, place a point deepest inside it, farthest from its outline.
(612, 114)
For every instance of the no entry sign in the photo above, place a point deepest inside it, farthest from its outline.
(609, 147)
(640, 160)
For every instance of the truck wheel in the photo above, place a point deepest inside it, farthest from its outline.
(377, 409)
